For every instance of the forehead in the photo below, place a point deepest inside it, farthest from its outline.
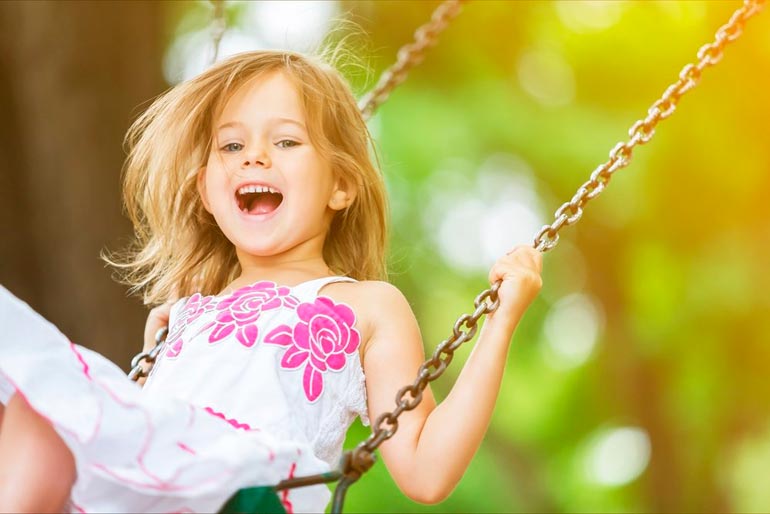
(266, 96)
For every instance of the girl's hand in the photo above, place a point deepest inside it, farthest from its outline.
(157, 319)
(520, 271)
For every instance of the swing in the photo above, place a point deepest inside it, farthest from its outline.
(356, 462)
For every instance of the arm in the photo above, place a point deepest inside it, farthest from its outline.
(435, 444)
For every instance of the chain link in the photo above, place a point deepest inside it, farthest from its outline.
(356, 462)
(642, 131)
(217, 27)
(410, 55)
(137, 369)
(569, 213)
(410, 396)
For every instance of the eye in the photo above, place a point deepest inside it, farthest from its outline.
(229, 147)
(287, 143)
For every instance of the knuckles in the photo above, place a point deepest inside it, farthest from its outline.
(522, 265)
(157, 318)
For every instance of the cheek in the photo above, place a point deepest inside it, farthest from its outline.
(216, 188)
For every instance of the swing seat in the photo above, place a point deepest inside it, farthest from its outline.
(254, 500)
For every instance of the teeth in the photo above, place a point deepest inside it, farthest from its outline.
(257, 189)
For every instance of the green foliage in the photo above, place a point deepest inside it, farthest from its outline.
(673, 254)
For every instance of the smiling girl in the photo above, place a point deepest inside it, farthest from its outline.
(260, 234)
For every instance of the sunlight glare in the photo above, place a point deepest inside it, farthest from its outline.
(479, 220)
(571, 331)
(547, 77)
(290, 24)
(588, 15)
(617, 456)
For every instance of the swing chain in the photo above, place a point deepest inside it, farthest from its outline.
(643, 130)
(569, 213)
(409, 397)
(357, 461)
(410, 55)
(137, 369)
(217, 28)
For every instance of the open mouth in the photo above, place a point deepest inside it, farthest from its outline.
(258, 199)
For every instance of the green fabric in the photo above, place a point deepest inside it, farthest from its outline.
(254, 500)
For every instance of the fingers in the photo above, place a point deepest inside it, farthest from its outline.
(522, 258)
(157, 319)
(526, 255)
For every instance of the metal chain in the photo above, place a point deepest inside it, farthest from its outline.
(137, 369)
(218, 27)
(410, 396)
(641, 131)
(356, 462)
(410, 55)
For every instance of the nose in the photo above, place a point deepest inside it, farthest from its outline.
(260, 158)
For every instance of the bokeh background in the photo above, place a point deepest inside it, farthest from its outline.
(638, 380)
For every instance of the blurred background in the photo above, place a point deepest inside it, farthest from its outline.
(639, 379)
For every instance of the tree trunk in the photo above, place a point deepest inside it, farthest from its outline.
(74, 76)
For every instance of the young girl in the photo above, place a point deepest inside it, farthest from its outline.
(256, 204)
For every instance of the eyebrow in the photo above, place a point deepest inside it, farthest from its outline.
(274, 121)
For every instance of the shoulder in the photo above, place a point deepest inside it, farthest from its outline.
(367, 297)
(375, 303)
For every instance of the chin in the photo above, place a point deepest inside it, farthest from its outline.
(258, 250)
(252, 241)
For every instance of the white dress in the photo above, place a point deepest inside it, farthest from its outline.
(251, 388)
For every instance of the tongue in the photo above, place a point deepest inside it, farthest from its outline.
(264, 203)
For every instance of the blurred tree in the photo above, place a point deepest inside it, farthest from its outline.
(73, 77)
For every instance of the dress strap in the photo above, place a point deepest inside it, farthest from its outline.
(312, 287)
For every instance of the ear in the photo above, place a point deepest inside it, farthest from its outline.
(343, 194)
(201, 183)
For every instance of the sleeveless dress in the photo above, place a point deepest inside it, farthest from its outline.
(251, 388)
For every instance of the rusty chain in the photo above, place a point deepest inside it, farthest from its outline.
(410, 55)
(569, 213)
(641, 131)
(356, 462)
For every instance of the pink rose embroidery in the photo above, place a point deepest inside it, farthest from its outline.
(193, 308)
(321, 340)
(239, 312)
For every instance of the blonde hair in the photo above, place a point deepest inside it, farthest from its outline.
(178, 248)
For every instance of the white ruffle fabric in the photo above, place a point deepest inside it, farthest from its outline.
(136, 452)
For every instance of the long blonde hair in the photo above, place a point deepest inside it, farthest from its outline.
(178, 248)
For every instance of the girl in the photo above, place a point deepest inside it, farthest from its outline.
(254, 200)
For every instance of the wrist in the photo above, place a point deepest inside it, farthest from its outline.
(499, 326)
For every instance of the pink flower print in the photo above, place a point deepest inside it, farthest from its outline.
(193, 308)
(321, 340)
(239, 312)
(175, 348)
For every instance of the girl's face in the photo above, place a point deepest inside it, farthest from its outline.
(266, 185)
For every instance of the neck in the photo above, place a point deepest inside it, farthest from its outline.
(301, 263)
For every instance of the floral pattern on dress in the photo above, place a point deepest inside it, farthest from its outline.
(193, 308)
(321, 341)
(240, 311)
